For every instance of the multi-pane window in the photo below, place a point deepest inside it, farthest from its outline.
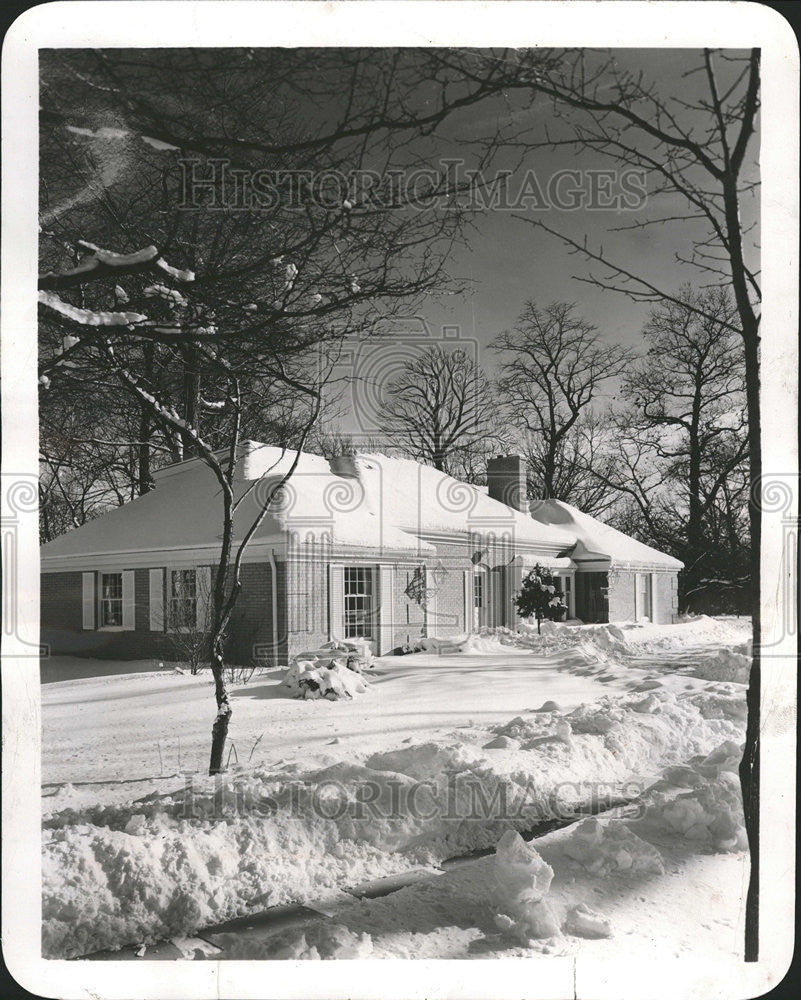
(111, 599)
(358, 602)
(183, 598)
(478, 590)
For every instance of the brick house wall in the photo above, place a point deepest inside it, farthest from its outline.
(667, 597)
(306, 595)
(302, 599)
(446, 614)
(621, 595)
(61, 623)
(61, 601)
(250, 633)
(622, 587)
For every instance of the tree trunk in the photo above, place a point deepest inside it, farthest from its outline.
(750, 764)
(694, 520)
(548, 473)
(144, 476)
(191, 398)
(219, 730)
(223, 606)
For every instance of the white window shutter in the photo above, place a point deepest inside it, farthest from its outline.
(128, 600)
(336, 601)
(156, 596)
(654, 608)
(88, 594)
(468, 600)
(386, 622)
(202, 597)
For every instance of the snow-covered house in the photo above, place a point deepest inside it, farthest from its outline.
(358, 545)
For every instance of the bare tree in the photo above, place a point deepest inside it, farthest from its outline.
(695, 141)
(553, 365)
(440, 408)
(689, 393)
(214, 312)
(584, 457)
(681, 445)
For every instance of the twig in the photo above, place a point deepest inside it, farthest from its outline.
(261, 735)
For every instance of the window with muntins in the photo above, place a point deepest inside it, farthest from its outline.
(478, 591)
(358, 602)
(183, 598)
(111, 599)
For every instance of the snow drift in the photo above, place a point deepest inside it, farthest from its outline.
(709, 648)
(169, 864)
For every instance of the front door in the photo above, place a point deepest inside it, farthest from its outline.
(592, 597)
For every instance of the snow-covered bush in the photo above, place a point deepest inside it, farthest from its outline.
(356, 651)
(333, 681)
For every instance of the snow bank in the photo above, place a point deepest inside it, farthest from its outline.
(604, 848)
(709, 648)
(485, 642)
(725, 664)
(584, 922)
(318, 941)
(711, 812)
(172, 863)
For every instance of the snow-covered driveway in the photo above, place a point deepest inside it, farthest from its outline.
(112, 727)
(119, 721)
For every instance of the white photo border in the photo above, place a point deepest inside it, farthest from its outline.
(516, 23)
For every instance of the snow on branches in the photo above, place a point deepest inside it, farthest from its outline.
(89, 317)
(101, 263)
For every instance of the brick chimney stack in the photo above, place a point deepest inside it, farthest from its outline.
(506, 481)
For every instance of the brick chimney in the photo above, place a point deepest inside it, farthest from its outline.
(506, 481)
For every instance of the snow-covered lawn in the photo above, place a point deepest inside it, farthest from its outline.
(443, 753)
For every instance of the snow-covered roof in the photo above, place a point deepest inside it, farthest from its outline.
(596, 540)
(361, 501)
(357, 501)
